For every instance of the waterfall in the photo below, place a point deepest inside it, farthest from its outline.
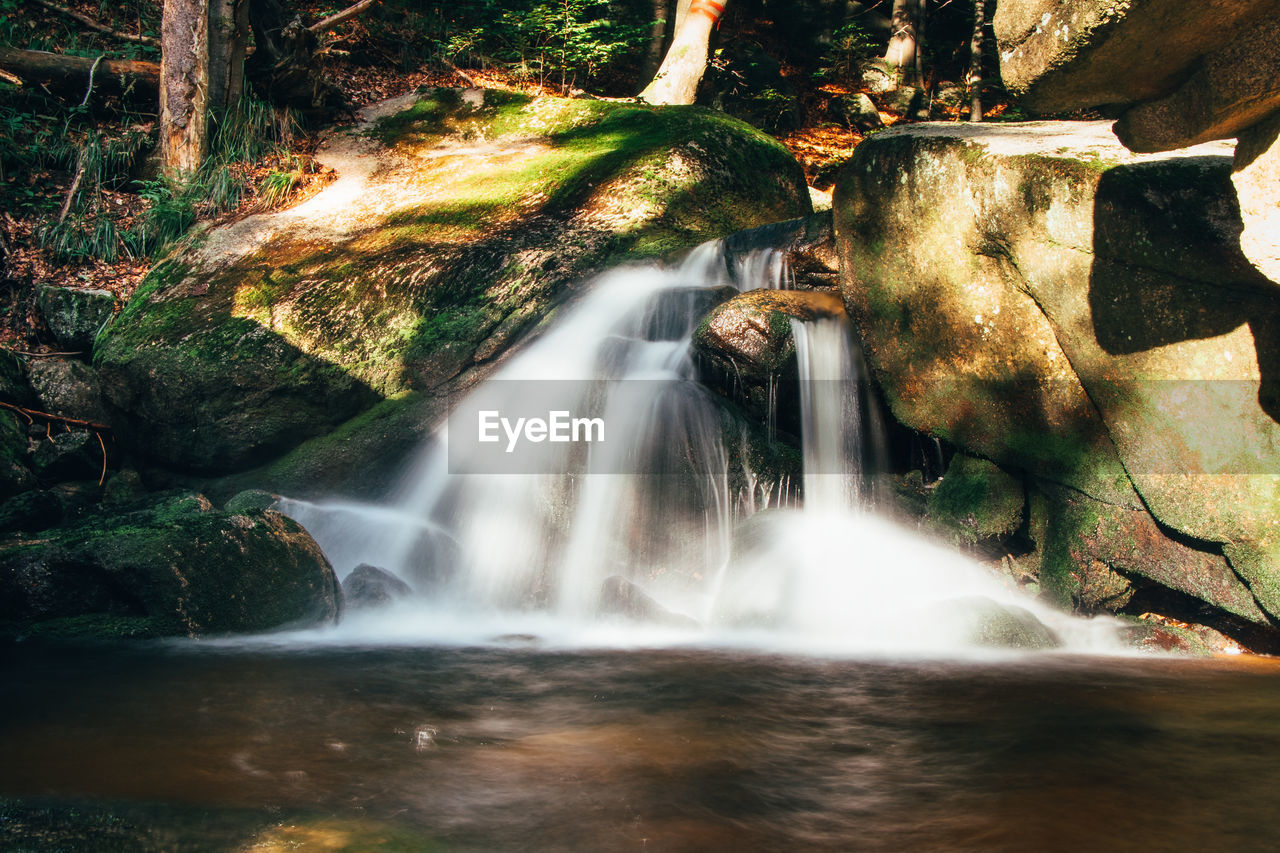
(655, 527)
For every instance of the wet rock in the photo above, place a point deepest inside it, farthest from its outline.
(621, 597)
(67, 387)
(984, 622)
(369, 586)
(75, 316)
(173, 567)
(1038, 295)
(751, 333)
(277, 328)
(747, 352)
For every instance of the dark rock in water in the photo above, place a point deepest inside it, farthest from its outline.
(173, 567)
(370, 586)
(984, 622)
(67, 387)
(73, 455)
(31, 511)
(620, 597)
(75, 316)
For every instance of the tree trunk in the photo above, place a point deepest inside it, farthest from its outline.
(904, 43)
(975, 61)
(677, 80)
(662, 24)
(228, 39)
(184, 85)
(68, 76)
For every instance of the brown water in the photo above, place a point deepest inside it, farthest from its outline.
(202, 748)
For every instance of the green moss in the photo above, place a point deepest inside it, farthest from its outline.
(977, 500)
(99, 626)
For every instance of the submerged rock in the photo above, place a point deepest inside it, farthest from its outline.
(1038, 295)
(174, 566)
(455, 225)
(369, 586)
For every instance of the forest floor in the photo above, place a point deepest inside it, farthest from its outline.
(818, 143)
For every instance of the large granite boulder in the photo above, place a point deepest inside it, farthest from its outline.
(458, 221)
(1183, 73)
(1058, 55)
(173, 566)
(1040, 296)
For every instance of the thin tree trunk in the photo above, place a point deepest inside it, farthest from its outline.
(184, 85)
(228, 38)
(904, 43)
(975, 61)
(657, 38)
(677, 80)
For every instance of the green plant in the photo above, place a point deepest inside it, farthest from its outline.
(850, 49)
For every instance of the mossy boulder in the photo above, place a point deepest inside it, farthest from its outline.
(173, 566)
(457, 222)
(977, 500)
(1038, 295)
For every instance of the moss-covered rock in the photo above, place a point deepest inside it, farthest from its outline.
(456, 223)
(173, 566)
(977, 500)
(1039, 296)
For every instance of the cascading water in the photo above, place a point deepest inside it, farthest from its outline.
(659, 532)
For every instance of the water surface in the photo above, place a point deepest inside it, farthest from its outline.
(198, 747)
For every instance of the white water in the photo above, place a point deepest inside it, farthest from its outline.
(719, 550)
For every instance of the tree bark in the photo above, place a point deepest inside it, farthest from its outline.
(184, 85)
(228, 42)
(325, 24)
(68, 76)
(677, 80)
(662, 24)
(975, 61)
(904, 43)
